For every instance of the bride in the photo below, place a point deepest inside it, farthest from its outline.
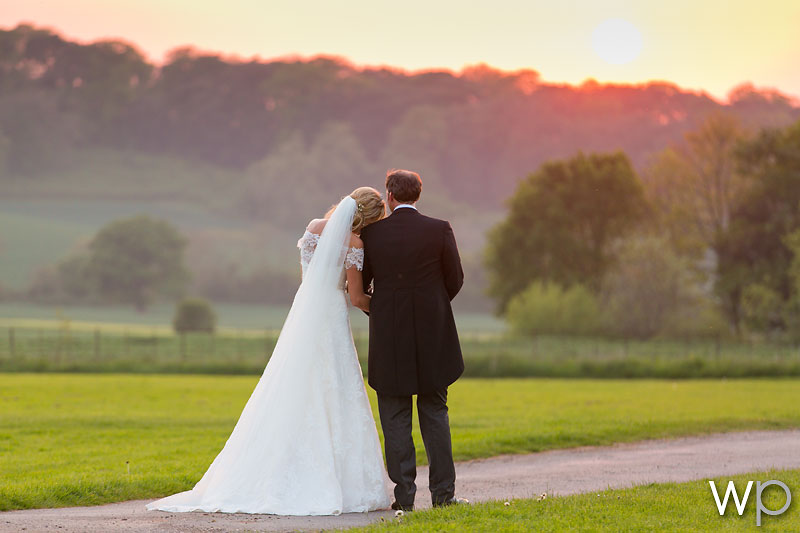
(306, 442)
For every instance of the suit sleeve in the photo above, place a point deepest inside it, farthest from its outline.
(366, 275)
(451, 263)
(366, 272)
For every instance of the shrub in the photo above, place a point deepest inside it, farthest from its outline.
(650, 290)
(194, 315)
(548, 309)
(761, 308)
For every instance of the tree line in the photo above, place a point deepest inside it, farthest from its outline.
(473, 134)
(706, 241)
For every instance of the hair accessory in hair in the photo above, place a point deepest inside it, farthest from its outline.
(360, 207)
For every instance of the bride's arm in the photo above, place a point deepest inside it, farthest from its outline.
(355, 282)
(355, 289)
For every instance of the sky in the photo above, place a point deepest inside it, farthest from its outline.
(709, 45)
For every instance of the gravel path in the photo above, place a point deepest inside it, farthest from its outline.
(519, 476)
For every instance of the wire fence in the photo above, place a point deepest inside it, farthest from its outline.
(486, 355)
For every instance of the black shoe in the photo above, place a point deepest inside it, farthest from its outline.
(397, 507)
(452, 501)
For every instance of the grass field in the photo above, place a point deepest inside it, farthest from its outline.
(76, 439)
(679, 507)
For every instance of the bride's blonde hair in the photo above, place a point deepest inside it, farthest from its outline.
(369, 208)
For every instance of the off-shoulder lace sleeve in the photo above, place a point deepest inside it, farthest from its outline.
(307, 244)
(354, 258)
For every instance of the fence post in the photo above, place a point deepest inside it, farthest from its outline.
(183, 346)
(97, 344)
(11, 343)
(60, 346)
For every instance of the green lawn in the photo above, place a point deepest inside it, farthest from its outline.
(69, 439)
(682, 507)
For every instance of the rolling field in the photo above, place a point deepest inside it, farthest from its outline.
(77, 439)
(40, 232)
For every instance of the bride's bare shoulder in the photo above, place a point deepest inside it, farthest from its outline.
(355, 241)
(316, 225)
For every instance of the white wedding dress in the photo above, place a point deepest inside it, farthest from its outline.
(306, 442)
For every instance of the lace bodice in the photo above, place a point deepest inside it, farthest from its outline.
(308, 243)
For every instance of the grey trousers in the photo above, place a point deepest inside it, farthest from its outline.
(434, 423)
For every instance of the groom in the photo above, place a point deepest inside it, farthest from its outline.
(414, 264)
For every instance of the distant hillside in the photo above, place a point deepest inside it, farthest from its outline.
(472, 133)
(270, 144)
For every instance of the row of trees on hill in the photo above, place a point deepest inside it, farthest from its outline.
(472, 133)
(706, 241)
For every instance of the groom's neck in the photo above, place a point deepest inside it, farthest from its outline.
(395, 205)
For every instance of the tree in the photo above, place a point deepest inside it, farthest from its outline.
(38, 135)
(137, 261)
(650, 290)
(792, 241)
(418, 142)
(297, 182)
(792, 309)
(754, 249)
(761, 308)
(561, 223)
(73, 279)
(693, 186)
(5, 145)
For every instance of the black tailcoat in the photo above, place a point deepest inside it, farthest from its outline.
(413, 262)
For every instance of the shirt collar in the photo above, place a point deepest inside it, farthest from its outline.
(404, 205)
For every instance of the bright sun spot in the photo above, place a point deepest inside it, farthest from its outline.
(617, 41)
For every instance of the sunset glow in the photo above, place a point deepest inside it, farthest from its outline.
(712, 45)
(617, 41)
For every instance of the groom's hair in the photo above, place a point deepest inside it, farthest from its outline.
(405, 186)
